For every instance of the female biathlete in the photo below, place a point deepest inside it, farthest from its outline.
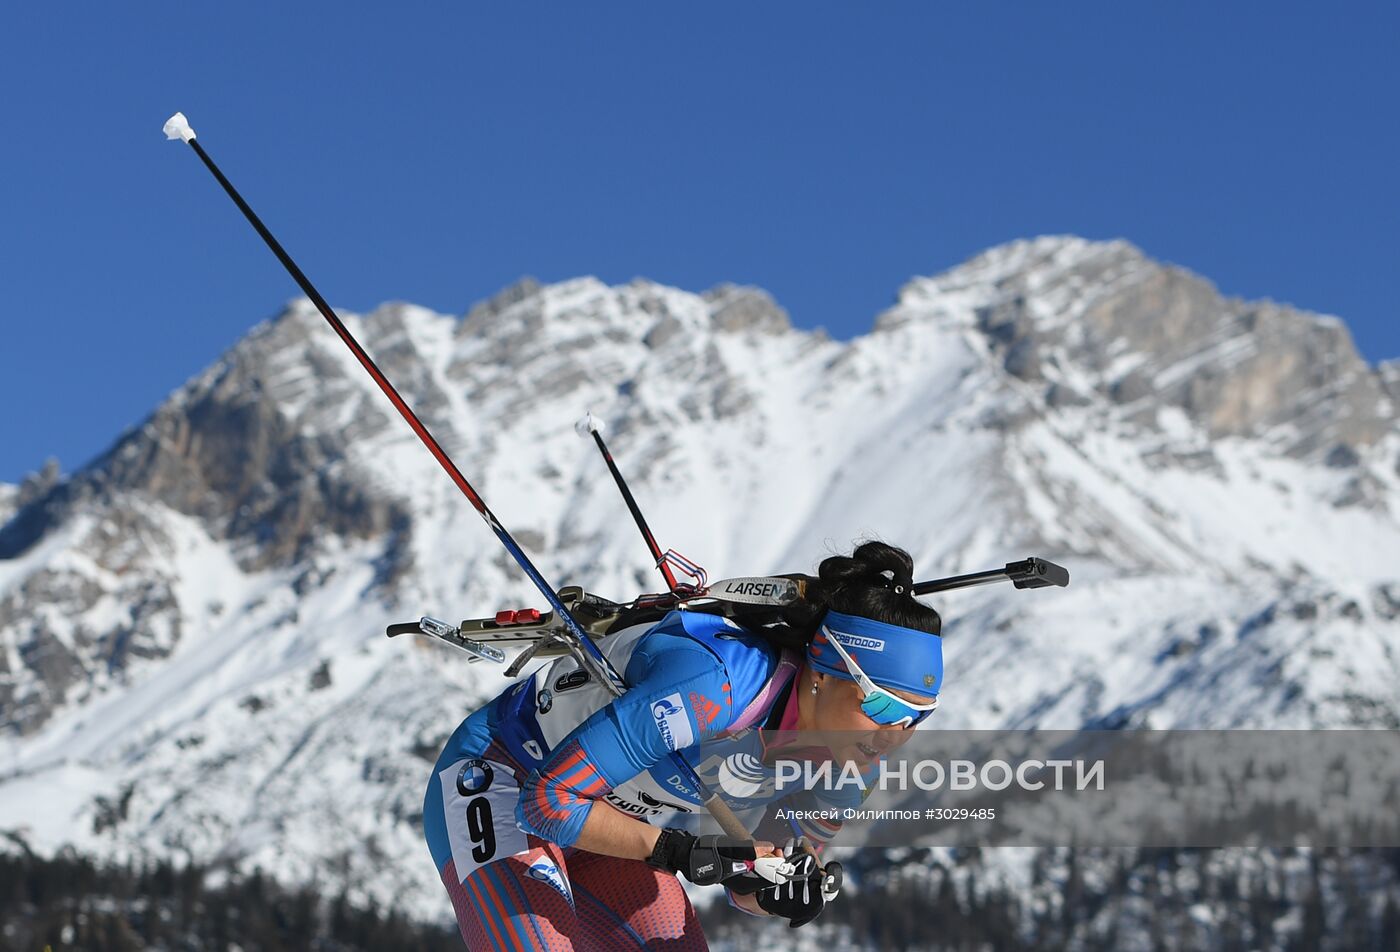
(539, 812)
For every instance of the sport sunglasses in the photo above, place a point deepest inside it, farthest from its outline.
(880, 705)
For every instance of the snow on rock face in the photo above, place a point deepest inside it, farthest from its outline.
(190, 647)
(1389, 372)
(1076, 317)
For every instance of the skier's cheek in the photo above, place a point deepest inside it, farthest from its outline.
(838, 709)
(889, 740)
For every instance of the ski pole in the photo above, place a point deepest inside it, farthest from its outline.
(178, 127)
(591, 426)
(595, 427)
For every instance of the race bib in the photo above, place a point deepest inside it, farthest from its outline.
(478, 798)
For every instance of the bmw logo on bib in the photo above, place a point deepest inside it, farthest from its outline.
(474, 777)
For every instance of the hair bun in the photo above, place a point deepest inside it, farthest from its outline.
(876, 565)
(875, 581)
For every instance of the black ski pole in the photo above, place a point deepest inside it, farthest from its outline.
(589, 425)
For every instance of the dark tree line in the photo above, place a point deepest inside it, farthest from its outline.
(69, 902)
(951, 901)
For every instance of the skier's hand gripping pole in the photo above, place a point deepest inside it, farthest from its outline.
(801, 894)
(775, 868)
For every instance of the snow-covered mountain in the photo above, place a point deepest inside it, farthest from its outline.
(191, 650)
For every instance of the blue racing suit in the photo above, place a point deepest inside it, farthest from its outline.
(518, 778)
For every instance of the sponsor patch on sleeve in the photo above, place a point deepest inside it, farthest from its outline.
(672, 722)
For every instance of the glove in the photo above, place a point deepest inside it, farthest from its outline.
(704, 860)
(802, 898)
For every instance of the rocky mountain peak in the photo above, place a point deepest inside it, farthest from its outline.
(735, 308)
(483, 312)
(1100, 321)
(37, 483)
(248, 447)
(1032, 264)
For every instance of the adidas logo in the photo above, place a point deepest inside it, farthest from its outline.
(705, 709)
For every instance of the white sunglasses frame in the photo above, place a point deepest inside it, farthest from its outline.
(869, 686)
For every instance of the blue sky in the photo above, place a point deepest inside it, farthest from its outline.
(826, 152)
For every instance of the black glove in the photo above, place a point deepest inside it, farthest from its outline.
(704, 860)
(802, 898)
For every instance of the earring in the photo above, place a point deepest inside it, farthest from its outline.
(814, 687)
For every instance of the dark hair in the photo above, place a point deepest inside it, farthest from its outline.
(875, 581)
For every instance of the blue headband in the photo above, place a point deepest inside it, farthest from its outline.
(906, 659)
